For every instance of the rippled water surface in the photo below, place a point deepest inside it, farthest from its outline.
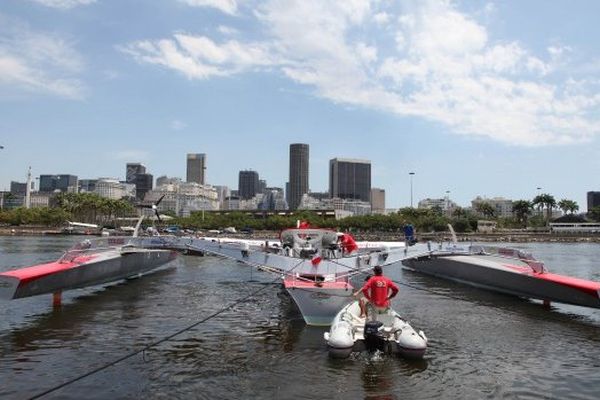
(482, 345)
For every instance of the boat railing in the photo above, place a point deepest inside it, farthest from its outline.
(97, 245)
(510, 254)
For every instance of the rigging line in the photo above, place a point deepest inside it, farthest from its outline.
(433, 292)
(253, 264)
(153, 344)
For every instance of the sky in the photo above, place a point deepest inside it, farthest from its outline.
(477, 98)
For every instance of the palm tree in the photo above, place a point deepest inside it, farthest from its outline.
(547, 201)
(521, 209)
(459, 212)
(568, 206)
(486, 209)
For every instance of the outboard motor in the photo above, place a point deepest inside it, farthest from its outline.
(373, 333)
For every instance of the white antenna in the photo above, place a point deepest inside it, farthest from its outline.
(137, 226)
(454, 239)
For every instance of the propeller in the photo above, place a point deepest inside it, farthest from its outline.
(154, 207)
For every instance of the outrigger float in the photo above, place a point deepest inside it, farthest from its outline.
(88, 263)
(504, 270)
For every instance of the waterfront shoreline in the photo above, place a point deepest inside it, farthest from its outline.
(506, 236)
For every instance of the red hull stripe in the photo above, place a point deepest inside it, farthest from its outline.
(29, 274)
(590, 287)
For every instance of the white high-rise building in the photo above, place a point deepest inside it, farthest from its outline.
(196, 167)
(111, 188)
(184, 198)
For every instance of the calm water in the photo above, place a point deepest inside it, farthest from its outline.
(482, 345)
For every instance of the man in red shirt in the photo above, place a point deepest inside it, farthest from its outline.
(377, 291)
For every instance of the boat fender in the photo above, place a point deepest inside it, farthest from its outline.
(340, 336)
(245, 250)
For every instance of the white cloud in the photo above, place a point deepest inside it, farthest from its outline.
(226, 6)
(178, 125)
(38, 61)
(64, 4)
(198, 57)
(430, 60)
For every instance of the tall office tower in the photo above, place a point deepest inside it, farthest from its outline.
(196, 165)
(247, 184)
(298, 174)
(593, 200)
(133, 169)
(63, 183)
(262, 186)
(143, 184)
(350, 179)
(18, 188)
(377, 200)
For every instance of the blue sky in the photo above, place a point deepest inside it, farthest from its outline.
(476, 97)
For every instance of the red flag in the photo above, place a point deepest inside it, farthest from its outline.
(316, 260)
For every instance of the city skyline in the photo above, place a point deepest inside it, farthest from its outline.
(475, 98)
(254, 185)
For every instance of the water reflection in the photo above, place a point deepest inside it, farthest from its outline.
(66, 323)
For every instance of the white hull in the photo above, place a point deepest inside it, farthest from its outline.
(319, 305)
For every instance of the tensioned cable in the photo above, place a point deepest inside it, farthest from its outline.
(153, 344)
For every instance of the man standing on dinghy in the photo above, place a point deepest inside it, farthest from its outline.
(379, 290)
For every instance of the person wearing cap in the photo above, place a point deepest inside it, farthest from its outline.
(378, 291)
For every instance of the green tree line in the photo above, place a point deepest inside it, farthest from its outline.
(91, 208)
(80, 207)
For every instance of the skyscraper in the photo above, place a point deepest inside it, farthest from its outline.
(350, 179)
(593, 200)
(298, 183)
(196, 165)
(248, 184)
(133, 169)
(378, 200)
(63, 183)
(143, 184)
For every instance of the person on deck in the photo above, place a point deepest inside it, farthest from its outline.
(379, 290)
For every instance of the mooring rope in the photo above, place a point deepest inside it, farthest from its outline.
(153, 344)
